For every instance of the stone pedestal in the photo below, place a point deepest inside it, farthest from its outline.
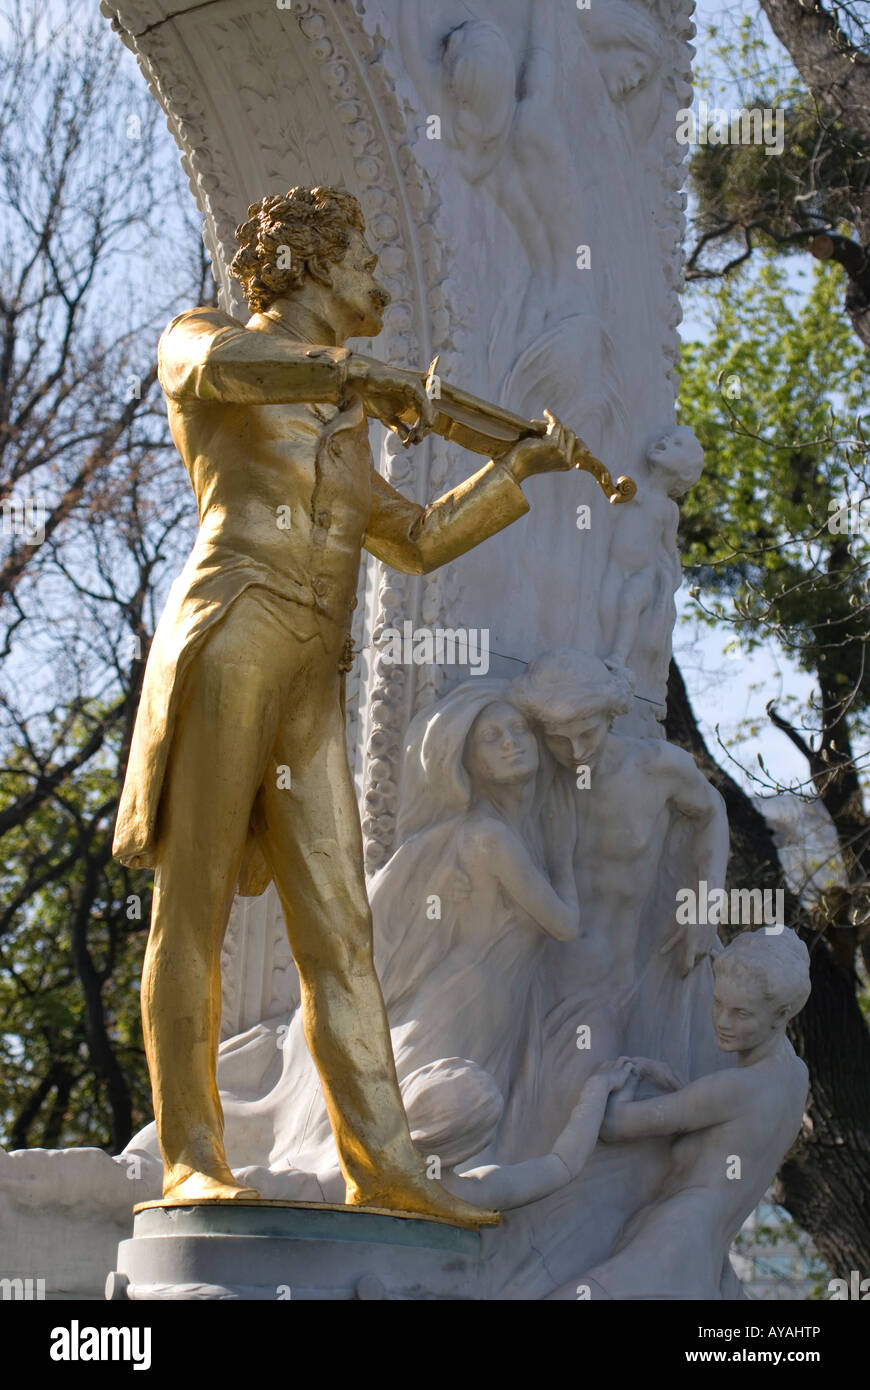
(282, 1251)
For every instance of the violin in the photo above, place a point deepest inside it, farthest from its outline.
(489, 429)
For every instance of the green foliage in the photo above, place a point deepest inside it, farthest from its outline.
(781, 1254)
(818, 180)
(742, 195)
(775, 394)
(74, 897)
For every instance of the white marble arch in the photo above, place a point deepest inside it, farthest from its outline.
(557, 130)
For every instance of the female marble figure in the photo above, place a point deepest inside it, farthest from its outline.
(630, 54)
(468, 900)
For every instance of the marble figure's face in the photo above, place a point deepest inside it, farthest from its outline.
(742, 1017)
(627, 47)
(501, 747)
(361, 299)
(679, 459)
(625, 71)
(578, 742)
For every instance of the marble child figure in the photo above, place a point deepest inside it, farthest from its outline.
(643, 566)
(237, 771)
(729, 1131)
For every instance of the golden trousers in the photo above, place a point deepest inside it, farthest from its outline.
(260, 740)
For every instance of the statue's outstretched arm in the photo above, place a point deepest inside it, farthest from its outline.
(418, 539)
(510, 1185)
(205, 355)
(517, 1184)
(711, 1100)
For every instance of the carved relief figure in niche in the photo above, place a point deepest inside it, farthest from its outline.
(630, 53)
(636, 603)
(491, 69)
(495, 73)
(468, 900)
(729, 1132)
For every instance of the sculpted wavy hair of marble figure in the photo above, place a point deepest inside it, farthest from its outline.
(466, 904)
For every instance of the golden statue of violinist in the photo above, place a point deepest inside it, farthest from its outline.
(237, 771)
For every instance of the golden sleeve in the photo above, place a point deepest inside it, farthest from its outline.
(206, 355)
(415, 539)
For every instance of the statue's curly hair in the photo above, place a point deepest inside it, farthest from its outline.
(311, 222)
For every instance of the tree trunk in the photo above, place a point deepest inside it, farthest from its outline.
(835, 71)
(825, 1180)
(103, 1060)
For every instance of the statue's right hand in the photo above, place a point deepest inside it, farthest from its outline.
(388, 393)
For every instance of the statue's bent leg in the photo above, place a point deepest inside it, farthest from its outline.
(224, 728)
(311, 834)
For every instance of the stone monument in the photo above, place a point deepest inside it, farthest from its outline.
(527, 829)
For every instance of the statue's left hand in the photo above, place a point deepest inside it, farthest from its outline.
(621, 1076)
(555, 451)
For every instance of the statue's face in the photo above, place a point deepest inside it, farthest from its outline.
(501, 747)
(627, 47)
(679, 458)
(742, 1017)
(360, 299)
(578, 742)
